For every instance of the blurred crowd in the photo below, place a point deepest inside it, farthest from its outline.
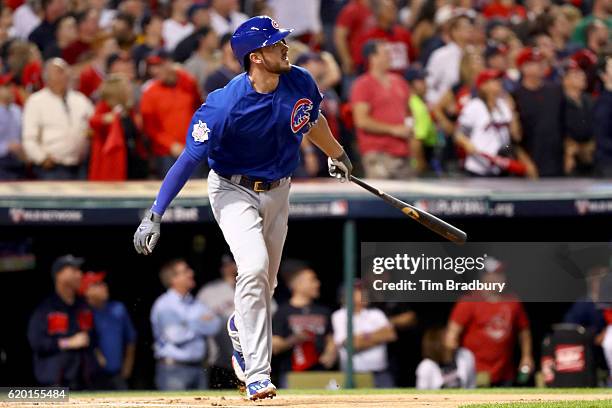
(104, 89)
(82, 339)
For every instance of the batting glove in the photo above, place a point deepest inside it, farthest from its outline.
(340, 167)
(147, 234)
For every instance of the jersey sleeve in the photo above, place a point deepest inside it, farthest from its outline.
(207, 122)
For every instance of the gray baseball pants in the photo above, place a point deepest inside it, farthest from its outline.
(254, 226)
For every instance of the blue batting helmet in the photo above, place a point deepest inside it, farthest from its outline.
(256, 32)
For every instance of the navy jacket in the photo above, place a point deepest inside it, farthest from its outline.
(52, 320)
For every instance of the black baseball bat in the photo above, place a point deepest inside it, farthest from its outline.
(424, 218)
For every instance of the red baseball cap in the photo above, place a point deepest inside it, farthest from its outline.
(487, 75)
(528, 55)
(90, 278)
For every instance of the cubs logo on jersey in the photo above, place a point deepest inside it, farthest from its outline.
(300, 116)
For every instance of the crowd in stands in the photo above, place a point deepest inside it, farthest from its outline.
(105, 89)
(81, 339)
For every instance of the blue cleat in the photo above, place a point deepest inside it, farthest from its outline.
(238, 363)
(260, 390)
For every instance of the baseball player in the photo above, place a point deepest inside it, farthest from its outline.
(250, 132)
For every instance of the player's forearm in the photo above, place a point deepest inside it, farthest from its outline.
(321, 136)
(174, 181)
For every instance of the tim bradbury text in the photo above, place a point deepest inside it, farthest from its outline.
(431, 286)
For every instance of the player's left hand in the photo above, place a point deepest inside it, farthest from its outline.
(147, 234)
(340, 168)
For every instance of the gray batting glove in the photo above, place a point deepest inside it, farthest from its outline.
(147, 234)
(340, 168)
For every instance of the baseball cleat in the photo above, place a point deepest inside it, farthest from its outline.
(260, 390)
(238, 363)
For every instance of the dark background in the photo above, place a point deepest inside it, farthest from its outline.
(133, 279)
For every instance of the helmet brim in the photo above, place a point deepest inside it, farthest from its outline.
(280, 35)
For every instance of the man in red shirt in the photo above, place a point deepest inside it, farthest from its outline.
(488, 323)
(167, 104)
(398, 38)
(353, 21)
(379, 100)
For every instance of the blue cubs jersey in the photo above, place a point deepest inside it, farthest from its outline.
(244, 132)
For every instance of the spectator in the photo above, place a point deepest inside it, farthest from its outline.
(602, 125)
(114, 331)
(442, 367)
(106, 14)
(443, 65)
(540, 108)
(230, 67)
(218, 296)
(586, 311)
(117, 149)
(167, 104)
(387, 28)
(42, 36)
(87, 25)
(448, 109)
(488, 324)
(134, 10)
(199, 16)
(488, 127)
(326, 73)
(306, 24)
(302, 333)
(597, 37)
(26, 18)
(122, 28)
(353, 21)
(151, 43)
(60, 331)
(602, 11)
(65, 35)
(380, 101)
(12, 156)
(55, 124)
(180, 326)
(371, 333)
(205, 59)
(559, 29)
(122, 63)
(225, 17)
(177, 27)
(94, 72)
(424, 127)
(578, 117)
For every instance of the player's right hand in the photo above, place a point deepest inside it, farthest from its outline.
(147, 234)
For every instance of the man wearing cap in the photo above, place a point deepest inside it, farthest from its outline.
(167, 104)
(540, 109)
(114, 331)
(60, 331)
(379, 99)
(250, 134)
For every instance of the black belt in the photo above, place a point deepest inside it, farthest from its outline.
(258, 186)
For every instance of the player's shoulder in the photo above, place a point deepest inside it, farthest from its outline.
(300, 74)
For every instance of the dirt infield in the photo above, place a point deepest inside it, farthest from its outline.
(409, 400)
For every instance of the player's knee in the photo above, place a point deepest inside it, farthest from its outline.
(256, 269)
